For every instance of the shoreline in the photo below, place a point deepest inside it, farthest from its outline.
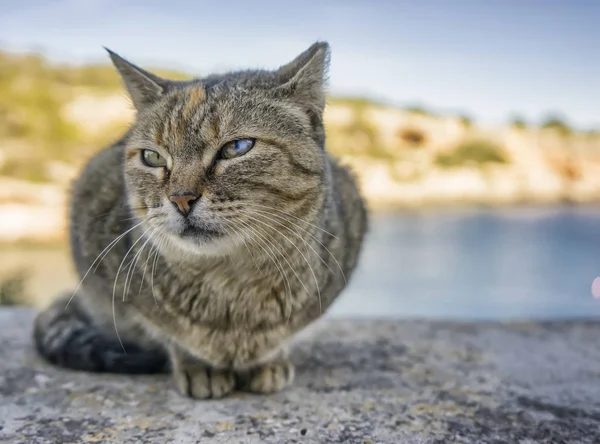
(45, 224)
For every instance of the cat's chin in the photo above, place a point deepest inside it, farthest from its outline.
(203, 235)
(201, 242)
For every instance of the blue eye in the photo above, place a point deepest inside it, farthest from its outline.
(237, 148)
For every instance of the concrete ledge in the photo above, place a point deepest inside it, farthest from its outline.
(358, 382)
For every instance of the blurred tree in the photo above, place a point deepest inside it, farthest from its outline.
(557, 123)
(474, 153)
(518, 122)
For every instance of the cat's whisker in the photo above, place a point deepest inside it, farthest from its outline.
(115, 287)
(269, 246)
(131, 270)
(278, 265)
(290, 215)
(299, 251)
(106, 254)
(99, 258)
(293, 232)
(156, 255)
(266, 215)
(284, 255)
(241, 238)
(149, 255)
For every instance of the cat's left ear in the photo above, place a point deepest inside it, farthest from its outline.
(143, 87)
(304, 79)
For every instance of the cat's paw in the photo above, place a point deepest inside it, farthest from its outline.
(201, 382)
(271, 377)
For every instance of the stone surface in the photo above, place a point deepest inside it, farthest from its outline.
(358, 382)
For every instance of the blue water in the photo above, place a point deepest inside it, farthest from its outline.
(478, 264)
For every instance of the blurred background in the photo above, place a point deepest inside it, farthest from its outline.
(473, 128)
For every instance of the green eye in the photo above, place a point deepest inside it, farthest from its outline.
(153, 159)
(237, 148)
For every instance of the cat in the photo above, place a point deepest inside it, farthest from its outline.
(212, 233)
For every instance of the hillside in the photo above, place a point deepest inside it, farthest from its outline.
(53, 117)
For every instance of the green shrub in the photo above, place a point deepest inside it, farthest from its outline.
(358, 137)
(473, 152)
(418, 109)
(12, 289)
(518, 122)
(466, 120)
(557, 124)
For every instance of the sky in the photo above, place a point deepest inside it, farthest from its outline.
(488, 59)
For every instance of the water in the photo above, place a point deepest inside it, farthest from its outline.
(500, 264)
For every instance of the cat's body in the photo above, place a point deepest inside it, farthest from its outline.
(227, 256)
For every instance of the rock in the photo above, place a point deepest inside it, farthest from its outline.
(361, 381)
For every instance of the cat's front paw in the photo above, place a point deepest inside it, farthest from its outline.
(271, 377)
(202, 382)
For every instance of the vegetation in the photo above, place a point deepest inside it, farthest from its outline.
(420, 110)
(472, 153)
(466, 120)
(358, 137)
(12, 289)
(518, 122)
(557, 124)
(355, 102)
(412, 136)
(33, 128)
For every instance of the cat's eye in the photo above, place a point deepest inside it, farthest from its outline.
(153, 159)
(237, 148)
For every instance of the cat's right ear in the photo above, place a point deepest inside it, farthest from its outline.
(143, 87)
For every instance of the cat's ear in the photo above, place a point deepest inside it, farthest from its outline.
(304, 78)
(143, 87)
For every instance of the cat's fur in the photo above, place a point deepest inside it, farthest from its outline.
(276, 233)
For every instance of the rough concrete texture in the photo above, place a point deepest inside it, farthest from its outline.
(358, 382)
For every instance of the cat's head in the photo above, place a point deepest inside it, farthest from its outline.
(213, 163)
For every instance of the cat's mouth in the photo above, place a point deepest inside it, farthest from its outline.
(193, 231)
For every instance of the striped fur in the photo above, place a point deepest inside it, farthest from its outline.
(67, 337)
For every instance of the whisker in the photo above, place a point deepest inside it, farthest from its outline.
(239, 236)
(115, 288)
(283, 255)
(152, 250)
(293, 232)
(162, 241)
(105, 254)
(292, 216)
(299, 251)
(131, 270)
(265, 214)
(99, 258)
(278, 265)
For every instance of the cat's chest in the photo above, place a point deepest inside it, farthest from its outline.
(227, 323)
(227, 298)
(222, 317)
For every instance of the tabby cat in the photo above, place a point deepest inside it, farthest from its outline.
(212, 233)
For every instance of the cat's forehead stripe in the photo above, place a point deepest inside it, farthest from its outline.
(197, 95)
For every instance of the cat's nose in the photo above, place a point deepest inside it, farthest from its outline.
(183, 201)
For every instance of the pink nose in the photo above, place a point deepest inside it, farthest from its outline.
(183, 202)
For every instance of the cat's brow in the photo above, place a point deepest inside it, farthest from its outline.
(196, 96)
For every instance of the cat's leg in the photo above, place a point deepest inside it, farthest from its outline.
(271, 376)
(198, 380)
